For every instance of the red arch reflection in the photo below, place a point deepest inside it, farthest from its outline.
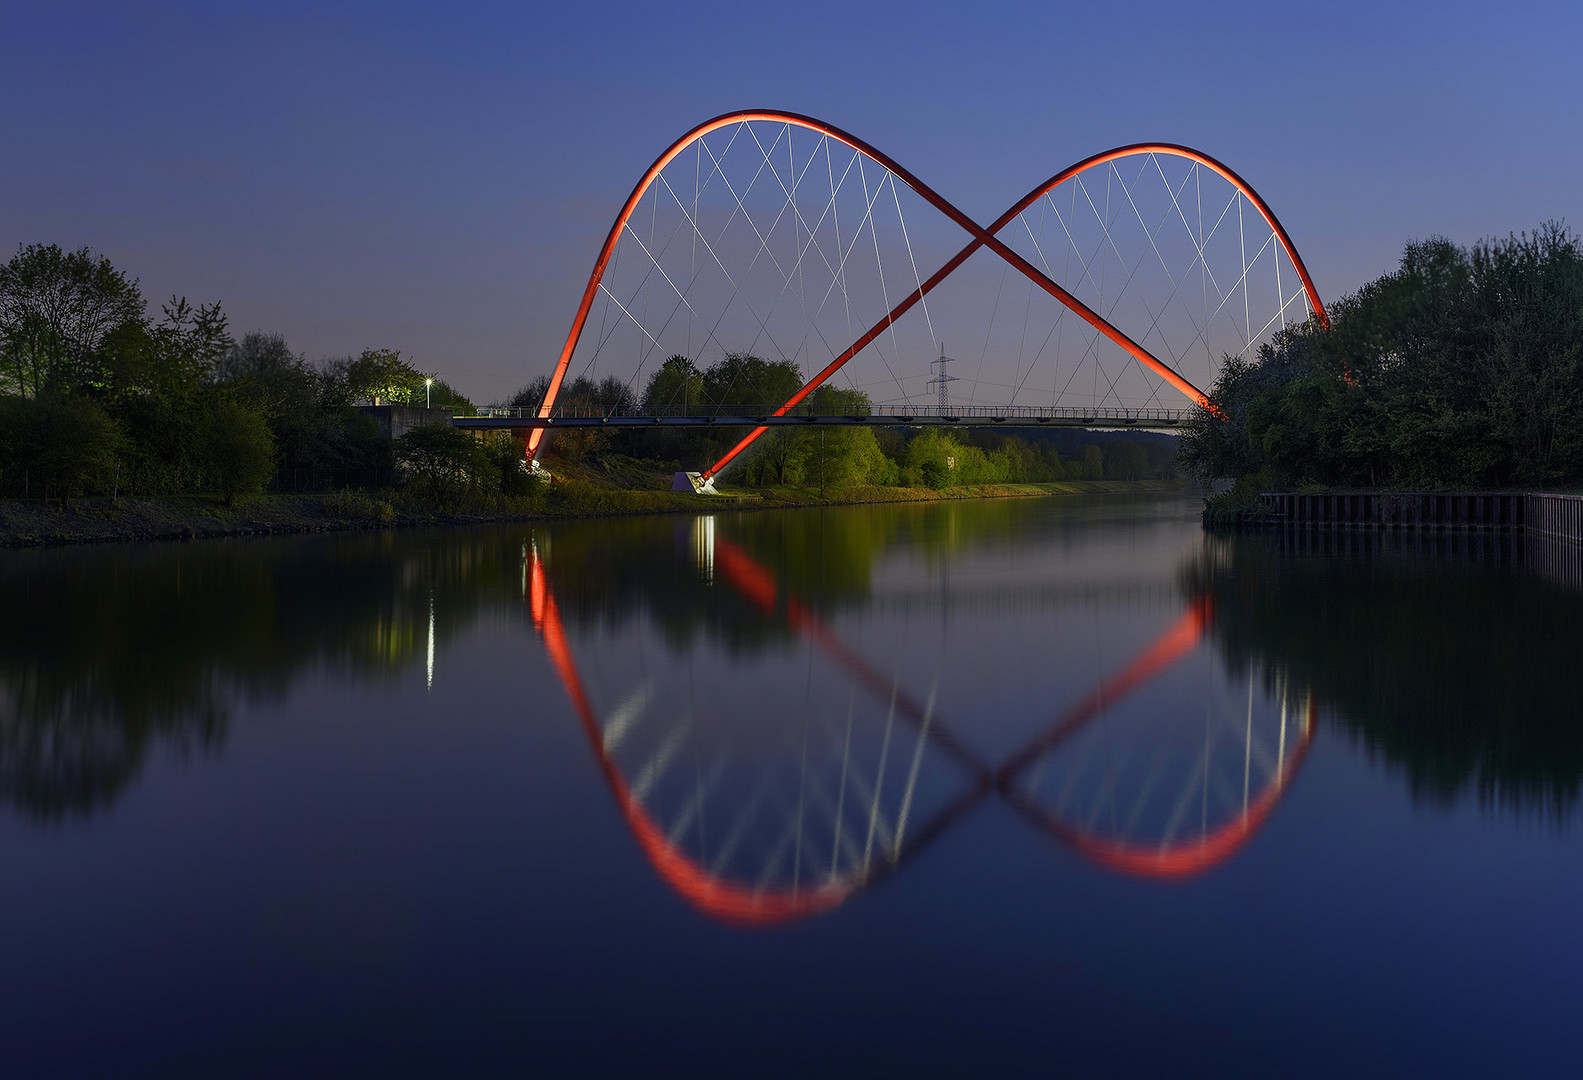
(1174, 860)
(714, 896)
(739, 904)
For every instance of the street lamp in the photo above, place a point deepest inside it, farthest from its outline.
(427, 386)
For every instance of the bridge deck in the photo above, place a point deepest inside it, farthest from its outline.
(879, 416)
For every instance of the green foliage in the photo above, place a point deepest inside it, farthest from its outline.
(383, 377)
(380, 377)
(929, 461)
(189, 406)
(59, 445)
(934, 474)
(823, 456)
(1240, 499)
(57, 309)
(238, 448)
(834, 457)
(1463, 368)
(738, 382)
(188, 342)
(1123, 460)
(508, 456)
(440, 394)
(299, 400)
(446, 463)
(74, 328)
(583, 395)
(677, 384)
(356, 506)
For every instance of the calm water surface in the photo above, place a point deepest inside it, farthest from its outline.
(1029, 787)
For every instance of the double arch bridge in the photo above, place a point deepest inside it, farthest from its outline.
(759, 824)
(1138, 272)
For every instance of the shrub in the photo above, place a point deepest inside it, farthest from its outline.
(238, 446)
(443, 455)
(356, 506)
(508, 457)
(63, 443)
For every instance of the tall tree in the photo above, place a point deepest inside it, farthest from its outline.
(677, 385)
(57, 308)
(750, 382)
(1463, 368)
(381, 377)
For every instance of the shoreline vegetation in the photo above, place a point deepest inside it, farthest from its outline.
(136, 519)
(168, 426)
(1459, 372)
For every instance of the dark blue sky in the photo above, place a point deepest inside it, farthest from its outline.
(438, 178)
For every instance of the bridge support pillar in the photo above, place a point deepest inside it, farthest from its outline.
(694, 482)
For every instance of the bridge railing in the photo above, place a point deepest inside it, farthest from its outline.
(900, 413)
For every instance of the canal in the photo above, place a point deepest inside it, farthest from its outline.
(1059, 786)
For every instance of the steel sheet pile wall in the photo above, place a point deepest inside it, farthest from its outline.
(1392, 510)
(1550, 527)
(1553, 534)
(1560, 516)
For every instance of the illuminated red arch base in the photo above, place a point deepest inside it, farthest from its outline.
(980, 237)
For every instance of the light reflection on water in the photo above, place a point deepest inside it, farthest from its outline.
(505, 799)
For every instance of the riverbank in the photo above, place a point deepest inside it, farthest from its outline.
(103, 520)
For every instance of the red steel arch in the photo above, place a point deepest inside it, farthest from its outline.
(1197, 157)
(988, 237)
(981, 237)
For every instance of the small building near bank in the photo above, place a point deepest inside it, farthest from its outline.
(396, 420)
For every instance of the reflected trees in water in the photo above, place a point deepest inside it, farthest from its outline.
(1443, 655)
(1454, 665)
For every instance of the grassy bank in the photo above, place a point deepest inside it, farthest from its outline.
(99, 520)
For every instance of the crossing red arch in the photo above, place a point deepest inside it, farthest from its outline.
(980, 238)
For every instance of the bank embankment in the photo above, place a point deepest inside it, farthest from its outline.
(104, 520)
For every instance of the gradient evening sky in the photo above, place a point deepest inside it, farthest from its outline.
(437, 178)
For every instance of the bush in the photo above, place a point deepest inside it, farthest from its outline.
(64, 444)
(508, 456)
(1242, 496)
(238, 446)
(356, 506)
(442, 458)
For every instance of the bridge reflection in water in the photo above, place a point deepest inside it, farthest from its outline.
(811, 773)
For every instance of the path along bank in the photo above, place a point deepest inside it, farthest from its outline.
(104, 520)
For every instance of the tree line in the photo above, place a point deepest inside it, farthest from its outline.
(98, 395)
(1463, 368)
(820, 456)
